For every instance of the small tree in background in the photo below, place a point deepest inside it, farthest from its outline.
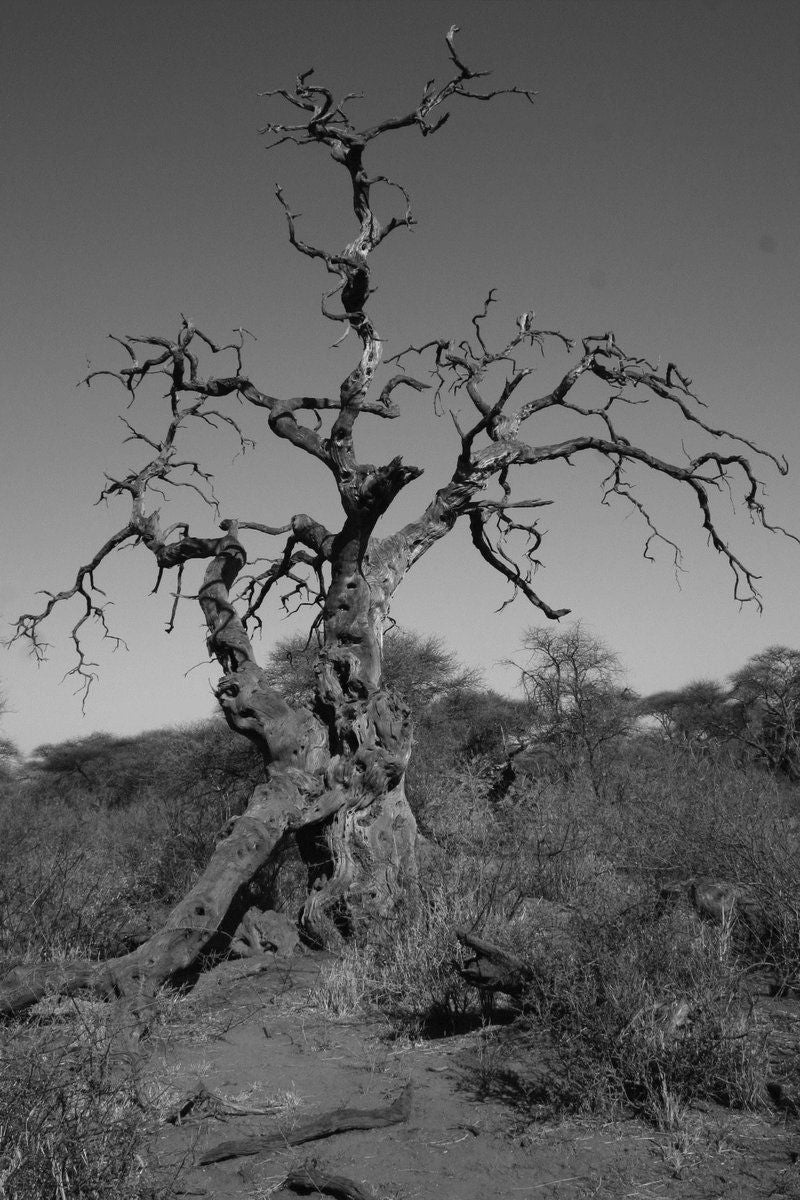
(578, 705)
(756, 717)
(767, 692)
(417, 667)
(700, 714)
(334, 768)
(9, 754)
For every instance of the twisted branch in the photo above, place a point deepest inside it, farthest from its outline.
(467, 365)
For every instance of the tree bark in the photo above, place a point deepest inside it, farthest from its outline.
(358, 857)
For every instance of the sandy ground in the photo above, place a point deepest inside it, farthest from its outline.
(252, 1034)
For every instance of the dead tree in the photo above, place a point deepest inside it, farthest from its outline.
(334, 771)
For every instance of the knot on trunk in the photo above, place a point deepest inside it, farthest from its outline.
(380, 485)
(253, 708)
(391, 718)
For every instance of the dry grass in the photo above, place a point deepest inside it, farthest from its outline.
(406, 971)
(71, 1123)
(641, 1006)
(564, 874)
(647, 1012)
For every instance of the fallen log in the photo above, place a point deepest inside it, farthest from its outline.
(313, 1128)
(493, 969)
(310, 1179)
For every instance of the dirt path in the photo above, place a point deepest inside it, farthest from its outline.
(258, 1040)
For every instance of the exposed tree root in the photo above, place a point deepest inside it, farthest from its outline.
(493, 969)
(311, 1179)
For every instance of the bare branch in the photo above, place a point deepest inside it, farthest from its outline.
(691, 475)
(27, 626)
(489, 371)
(507, 568)
(615, 485)
(135, 435)
(672, 385)
(282, 420)
(271, 530)
(334, 263)
(465, 365)
(258, 586)
(385, 398)
(329, 124)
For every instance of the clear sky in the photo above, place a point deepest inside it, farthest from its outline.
(652, 189)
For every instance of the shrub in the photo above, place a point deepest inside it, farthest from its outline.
(61, 892)
(70, 1124)
(404, 969)
(641, 1006)
(646, 1012)
(77, 874)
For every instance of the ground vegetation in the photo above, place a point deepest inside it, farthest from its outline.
(619, 951)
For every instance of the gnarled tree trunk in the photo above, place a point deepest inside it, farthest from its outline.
(334, 779)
